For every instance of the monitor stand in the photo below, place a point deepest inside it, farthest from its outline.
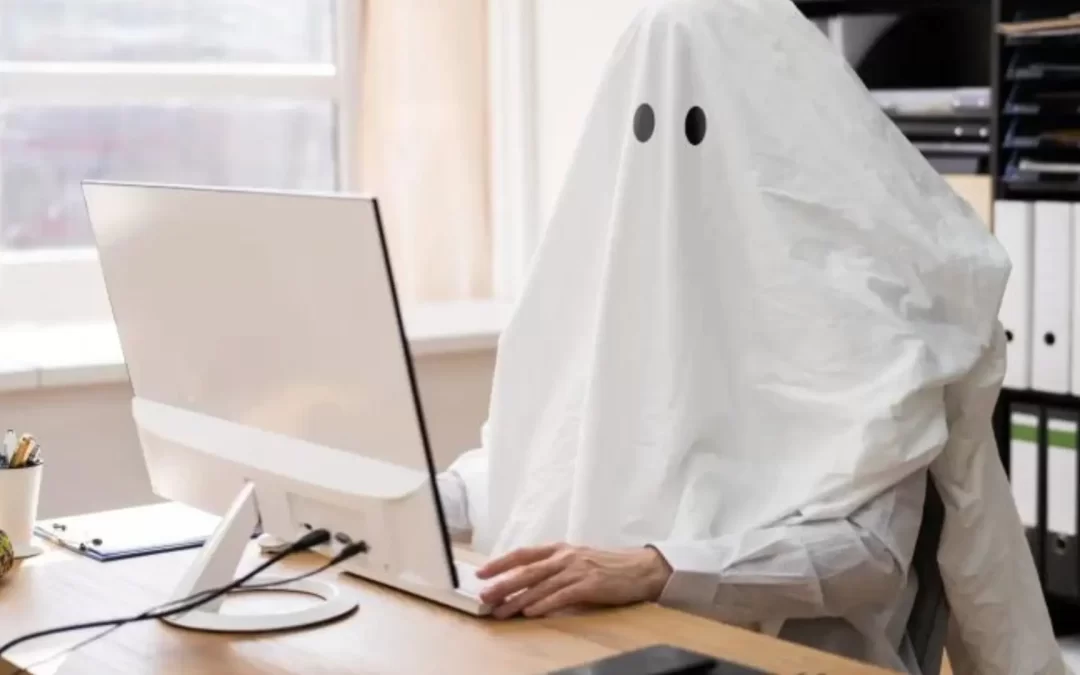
(216, 566)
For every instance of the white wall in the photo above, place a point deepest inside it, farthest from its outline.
(573, 42)
(93, 461)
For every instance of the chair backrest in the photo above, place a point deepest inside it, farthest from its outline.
(928, 622)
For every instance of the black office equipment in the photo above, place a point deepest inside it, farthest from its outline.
(928, 64)
(659, 660)
(1036, 91)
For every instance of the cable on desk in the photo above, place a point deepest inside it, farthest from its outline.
(180, 606)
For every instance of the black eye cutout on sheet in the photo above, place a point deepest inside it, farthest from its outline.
(695, 125)
(644, 122)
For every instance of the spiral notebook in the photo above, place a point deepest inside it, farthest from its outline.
(132, 532)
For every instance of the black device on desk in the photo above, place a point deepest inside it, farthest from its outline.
(660, 660)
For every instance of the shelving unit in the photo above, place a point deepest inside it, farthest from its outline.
(1036, 92)
(1034, 98)
(926, 63)
(822, 8)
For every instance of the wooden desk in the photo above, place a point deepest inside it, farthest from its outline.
(391, 633)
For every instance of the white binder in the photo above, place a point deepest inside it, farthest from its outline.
(1076, 301)
(1013, 226)
(1061, 474)
(1024, 466)
(1052, 311)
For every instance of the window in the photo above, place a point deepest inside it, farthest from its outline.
(49, 149)
(243, 93)
(253, 93)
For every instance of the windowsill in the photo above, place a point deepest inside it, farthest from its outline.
(70, 355)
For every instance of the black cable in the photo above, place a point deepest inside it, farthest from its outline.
(309, 540)
(347, 552)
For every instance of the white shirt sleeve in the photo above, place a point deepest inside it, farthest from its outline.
(462, 490)
(829, 568)
(455, 504)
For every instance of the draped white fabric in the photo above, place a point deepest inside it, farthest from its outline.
(751, 307)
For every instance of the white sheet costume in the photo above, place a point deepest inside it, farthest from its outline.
(758, 317)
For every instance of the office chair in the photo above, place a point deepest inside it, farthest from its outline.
(928, 622)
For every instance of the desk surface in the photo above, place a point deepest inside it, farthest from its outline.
(391, 633)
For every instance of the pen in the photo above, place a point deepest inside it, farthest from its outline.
(8, 448)
(32, 457)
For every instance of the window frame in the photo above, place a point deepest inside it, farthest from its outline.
(514, 159)
(64, 285)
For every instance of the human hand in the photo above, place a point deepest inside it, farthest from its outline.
(545, 579)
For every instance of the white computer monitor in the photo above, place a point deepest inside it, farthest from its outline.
(273, 382)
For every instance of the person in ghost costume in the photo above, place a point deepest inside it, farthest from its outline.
(758, 322)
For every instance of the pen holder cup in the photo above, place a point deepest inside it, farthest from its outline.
(19, 492)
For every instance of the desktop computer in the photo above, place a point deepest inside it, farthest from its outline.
(273, 384)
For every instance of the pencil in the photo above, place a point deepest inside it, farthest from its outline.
(8, 448)
(26, 444)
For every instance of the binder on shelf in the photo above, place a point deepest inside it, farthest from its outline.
(1051, 370)
(1013, 225)
(1062, 562)
(1024, 467)
(1075, 388)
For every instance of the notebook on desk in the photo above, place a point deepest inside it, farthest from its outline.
(132, 532)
